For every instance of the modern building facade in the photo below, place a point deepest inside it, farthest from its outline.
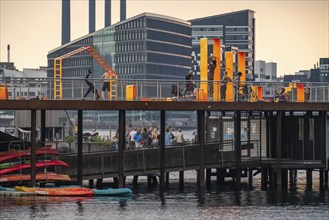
(147, 46)
(235, 29)
(267, 73)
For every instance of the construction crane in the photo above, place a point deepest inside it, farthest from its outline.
(58, 73)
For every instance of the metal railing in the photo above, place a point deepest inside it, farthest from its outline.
(155, 90)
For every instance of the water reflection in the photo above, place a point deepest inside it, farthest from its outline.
(219, 202)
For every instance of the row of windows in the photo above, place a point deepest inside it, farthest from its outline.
(167, 37)
(130, 57)
(130, 46)
(130, 35)
(138, 23)
(77, 61)
(130, 69)
(174, 49)
(168, 59)
(207, 29)
(168, 26)
(238, 29)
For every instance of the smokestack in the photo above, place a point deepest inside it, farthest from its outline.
(123, 10)
(107, 13)
(8, 50)
(91, 16)
(66, 23)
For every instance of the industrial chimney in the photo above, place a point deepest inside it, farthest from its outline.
(91, 16)
(123, 10)
(66, 23)
(107, 13)
(8, 50)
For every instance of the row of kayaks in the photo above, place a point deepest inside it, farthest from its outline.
(71, 191)
(19, 160)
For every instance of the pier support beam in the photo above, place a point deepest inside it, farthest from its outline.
(237, 128)
(122, 144)
(208, 178)
(201, 129)
(284, 179)
(162, 150)
(91, 183)
(181, 180)
(309, 179)
(264, 178)
(220, 173)
(278, 150)
(321, 178)
(292, 178)
(80, 146)
(33, 147)
(326, 179)
(250, 176)
(43, 126)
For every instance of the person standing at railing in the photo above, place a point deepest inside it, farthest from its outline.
(106, 84)
(236, 81)
(223, 86)
(91, 87)
(307, 94)
(212, 67)
(180, 137)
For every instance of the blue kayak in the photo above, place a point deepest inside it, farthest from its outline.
(112, 192)
(7, 189)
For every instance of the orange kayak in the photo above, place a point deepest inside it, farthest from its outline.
(49, 176)
(65, 191)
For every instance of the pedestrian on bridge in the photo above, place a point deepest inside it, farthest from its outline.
(91, 87)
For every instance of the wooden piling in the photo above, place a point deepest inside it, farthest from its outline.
(309, 179)
(33, 147)
(237, 128)
(201, 129)
(91, 183)
(162, 150)
(80, 146)
(122, 144)
(208, 178)
(250, 177)
(181, 180)
(264, 178)
(43, 126)
(278, 150)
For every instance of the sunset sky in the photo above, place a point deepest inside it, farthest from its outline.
(294, 34)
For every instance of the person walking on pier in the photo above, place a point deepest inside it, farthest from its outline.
(91, 87)
(106, 85)
(223, 86)
(188, 84)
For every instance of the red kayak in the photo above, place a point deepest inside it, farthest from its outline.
(15, 154)
(41, 164)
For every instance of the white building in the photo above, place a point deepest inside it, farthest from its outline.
(25, 84)
(267, 73)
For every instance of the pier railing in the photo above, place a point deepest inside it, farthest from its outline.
(165, 90)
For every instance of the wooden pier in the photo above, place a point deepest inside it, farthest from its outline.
(296, 138)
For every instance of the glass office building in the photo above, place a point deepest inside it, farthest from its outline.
(235, 29)
(147, 47)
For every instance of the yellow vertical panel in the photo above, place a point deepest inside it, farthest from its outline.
(204, 68)
(229, 70)
(216, 53)
(300, 92)
(55, 69)
(242, 65)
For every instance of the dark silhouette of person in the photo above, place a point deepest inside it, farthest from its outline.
(91, 87)
(211, 72)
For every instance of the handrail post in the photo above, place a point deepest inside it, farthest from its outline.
(33, 147)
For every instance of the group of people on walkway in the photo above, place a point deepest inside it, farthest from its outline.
(142, 137)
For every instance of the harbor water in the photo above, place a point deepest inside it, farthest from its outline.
(219, 202)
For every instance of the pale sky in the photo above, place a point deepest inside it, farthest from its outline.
(292, 33)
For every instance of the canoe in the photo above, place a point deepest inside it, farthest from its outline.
(112, 192)
(41, 164)
(48, 176)
(22, 153)
(65, 191)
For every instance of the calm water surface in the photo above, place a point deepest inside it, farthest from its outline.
(146, 203)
